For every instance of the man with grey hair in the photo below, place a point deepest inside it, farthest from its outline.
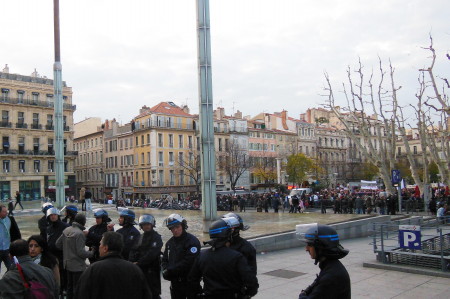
(112, 276)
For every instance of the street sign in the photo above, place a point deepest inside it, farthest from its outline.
(409, 236)
(396, 177)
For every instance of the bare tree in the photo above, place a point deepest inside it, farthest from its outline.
(191, 167)
(235, 162)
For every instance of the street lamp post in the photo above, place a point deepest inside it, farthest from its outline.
(59, 130)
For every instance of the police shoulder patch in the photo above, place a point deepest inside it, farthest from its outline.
(194, 249)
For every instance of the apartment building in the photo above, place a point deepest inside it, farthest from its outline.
(165, 150)
(27, 136)
(88, 142)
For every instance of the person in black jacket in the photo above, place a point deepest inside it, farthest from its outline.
(322, 243)
(240, 244)
(43, 221)
(179, 256)
(54, 231)
(96, 231)
(146, 253)
(112, 276)
(224, 271)
(129, 233)
(70, 212)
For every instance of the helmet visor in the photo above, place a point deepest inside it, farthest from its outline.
(307, 233)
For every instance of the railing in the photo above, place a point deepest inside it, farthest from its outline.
(163, 125)
(5, 124)
(35, 153)
(21, 126)
(36, 103)
(435, 243)
(36, 126)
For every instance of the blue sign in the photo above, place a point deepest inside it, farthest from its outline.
(409, 236)
(396, 177)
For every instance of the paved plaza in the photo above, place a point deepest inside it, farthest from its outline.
(284, 273)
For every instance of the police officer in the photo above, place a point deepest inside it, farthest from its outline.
(240, 244)
(129, 233)
(54, 231)
(179, 255)
(322, 243)
(70, 212)
(96, 231)
(146, 253)
(225, 271)
(43, 222)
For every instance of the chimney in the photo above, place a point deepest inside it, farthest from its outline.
(143, 109)
(35, 74)
(219, 113)
(238, 114)
(6, 69)
(186, 109)
(106, 125)
(284, 119)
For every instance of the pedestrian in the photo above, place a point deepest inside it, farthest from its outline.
(9, 232)
(95, 232)
(146, 254)
(112, 276)
(70, 212)
(82, 198)
(88, 200)
(322, 244)
(241, 203)
(179, 256)
(39, 253)
(323, 204)
(240, 244)
(129, 233)
(72, 242)
(10, 207)
(224, 271)
(18, 200)
(12, 284)
(359, 204)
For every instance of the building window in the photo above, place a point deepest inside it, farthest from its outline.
(35, 124)
(20, 119)
(5, 118)
(181, 177)
(415, 150)
(21, 165)
(51, 166)
(142, 140)
(50, 146)
(160, 140)
(180, 141)
(220, 144)
(172, 177)
(37, 166)
(171, 140)
(160, 159)
(21, 144)
(181, 159)
(5, 93)
(171, 159)
(36, 145)
(148, 138)
(137, 141)
(142, 159)
(34, 97)
(66, 166)
(161, 177)
(190, 142)
(20, 96)
(6, 164)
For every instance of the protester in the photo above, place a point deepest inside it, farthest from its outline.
(9, 232)
(112, 276)
(39, 253)
(12, 284)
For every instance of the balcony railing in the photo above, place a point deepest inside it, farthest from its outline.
(49, 127)
(163, 125)
(5, 124)
(36, 126)
(35, 153)
(36, 103)
(21, 125)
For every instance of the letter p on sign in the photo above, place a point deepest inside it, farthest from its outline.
(409, 237)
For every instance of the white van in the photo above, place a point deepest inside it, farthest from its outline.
(299, 192)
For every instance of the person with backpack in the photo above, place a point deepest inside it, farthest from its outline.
(26, 277)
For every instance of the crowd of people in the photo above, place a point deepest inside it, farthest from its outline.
(124, 263)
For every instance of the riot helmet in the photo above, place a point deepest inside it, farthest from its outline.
(71, 210)
(52, 211)
(323, 238)
(128, 216)
(101, 213)
(174, 220)
(147, 218)
(220, 229)
(45, 207)
(241, 222)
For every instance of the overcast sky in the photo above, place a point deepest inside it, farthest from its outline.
(267, 55)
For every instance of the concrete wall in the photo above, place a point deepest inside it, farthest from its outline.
(346, 230)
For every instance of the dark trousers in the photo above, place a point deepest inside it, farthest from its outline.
(4, 256)
(18, 203)
(72, 280)
(181, 290)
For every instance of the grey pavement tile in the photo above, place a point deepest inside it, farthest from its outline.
(441, 280)
(283, 273)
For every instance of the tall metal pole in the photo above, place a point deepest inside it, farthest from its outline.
(208, 157)
(59, 130)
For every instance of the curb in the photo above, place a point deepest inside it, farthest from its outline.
(406, 269)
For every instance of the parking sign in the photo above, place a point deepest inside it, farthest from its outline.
(409, 236)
